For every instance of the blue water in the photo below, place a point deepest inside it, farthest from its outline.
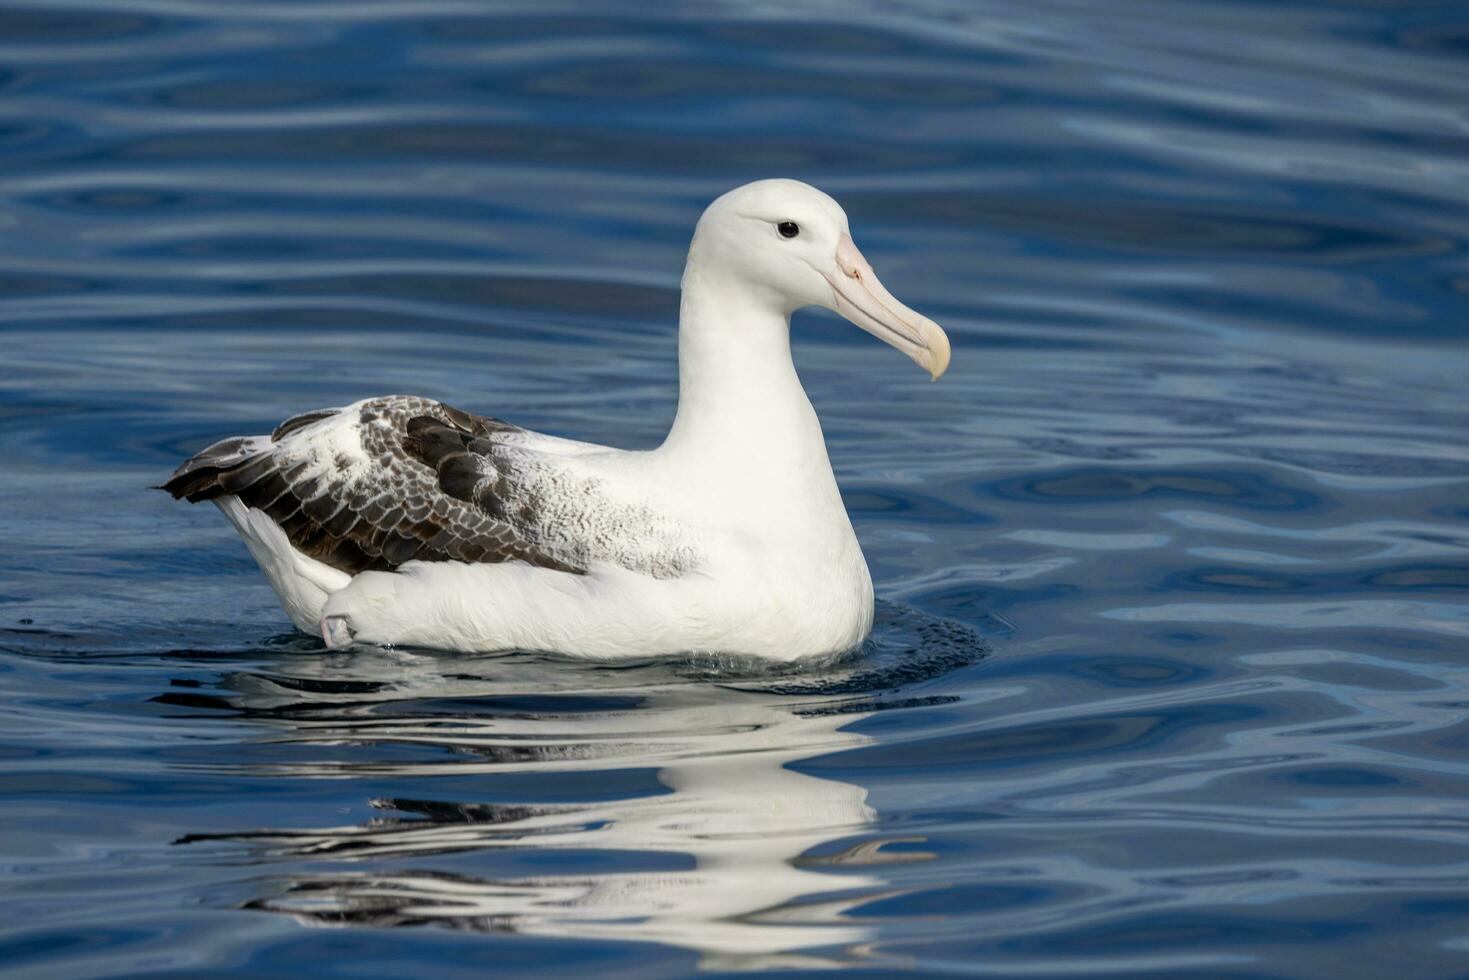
(1170, 673)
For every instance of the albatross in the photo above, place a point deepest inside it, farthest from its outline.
(400, 520)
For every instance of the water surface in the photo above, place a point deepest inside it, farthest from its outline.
(1169, 671)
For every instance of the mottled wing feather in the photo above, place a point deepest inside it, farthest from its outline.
(381, 483)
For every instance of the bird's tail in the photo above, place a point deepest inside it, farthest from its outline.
(199, 477)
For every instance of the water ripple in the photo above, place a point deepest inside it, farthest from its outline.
(1167, 676)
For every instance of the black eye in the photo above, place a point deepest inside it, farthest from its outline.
(788, 229)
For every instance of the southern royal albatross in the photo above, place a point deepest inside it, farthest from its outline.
(400, 520)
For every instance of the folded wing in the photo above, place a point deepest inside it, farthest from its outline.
(387, 481)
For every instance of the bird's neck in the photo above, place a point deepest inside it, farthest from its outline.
(741, 406)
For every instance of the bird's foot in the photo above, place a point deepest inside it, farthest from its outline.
(336, 632)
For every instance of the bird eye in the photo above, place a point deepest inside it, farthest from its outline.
(788, 229)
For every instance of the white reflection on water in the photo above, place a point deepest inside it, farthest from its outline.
(750, 898)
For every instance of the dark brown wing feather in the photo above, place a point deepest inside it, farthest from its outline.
(422, 486)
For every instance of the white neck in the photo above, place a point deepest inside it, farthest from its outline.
(746, 455)
(741, 407)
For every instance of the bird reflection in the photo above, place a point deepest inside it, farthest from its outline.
(734, 820)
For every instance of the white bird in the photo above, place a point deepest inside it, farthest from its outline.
(403, 521)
